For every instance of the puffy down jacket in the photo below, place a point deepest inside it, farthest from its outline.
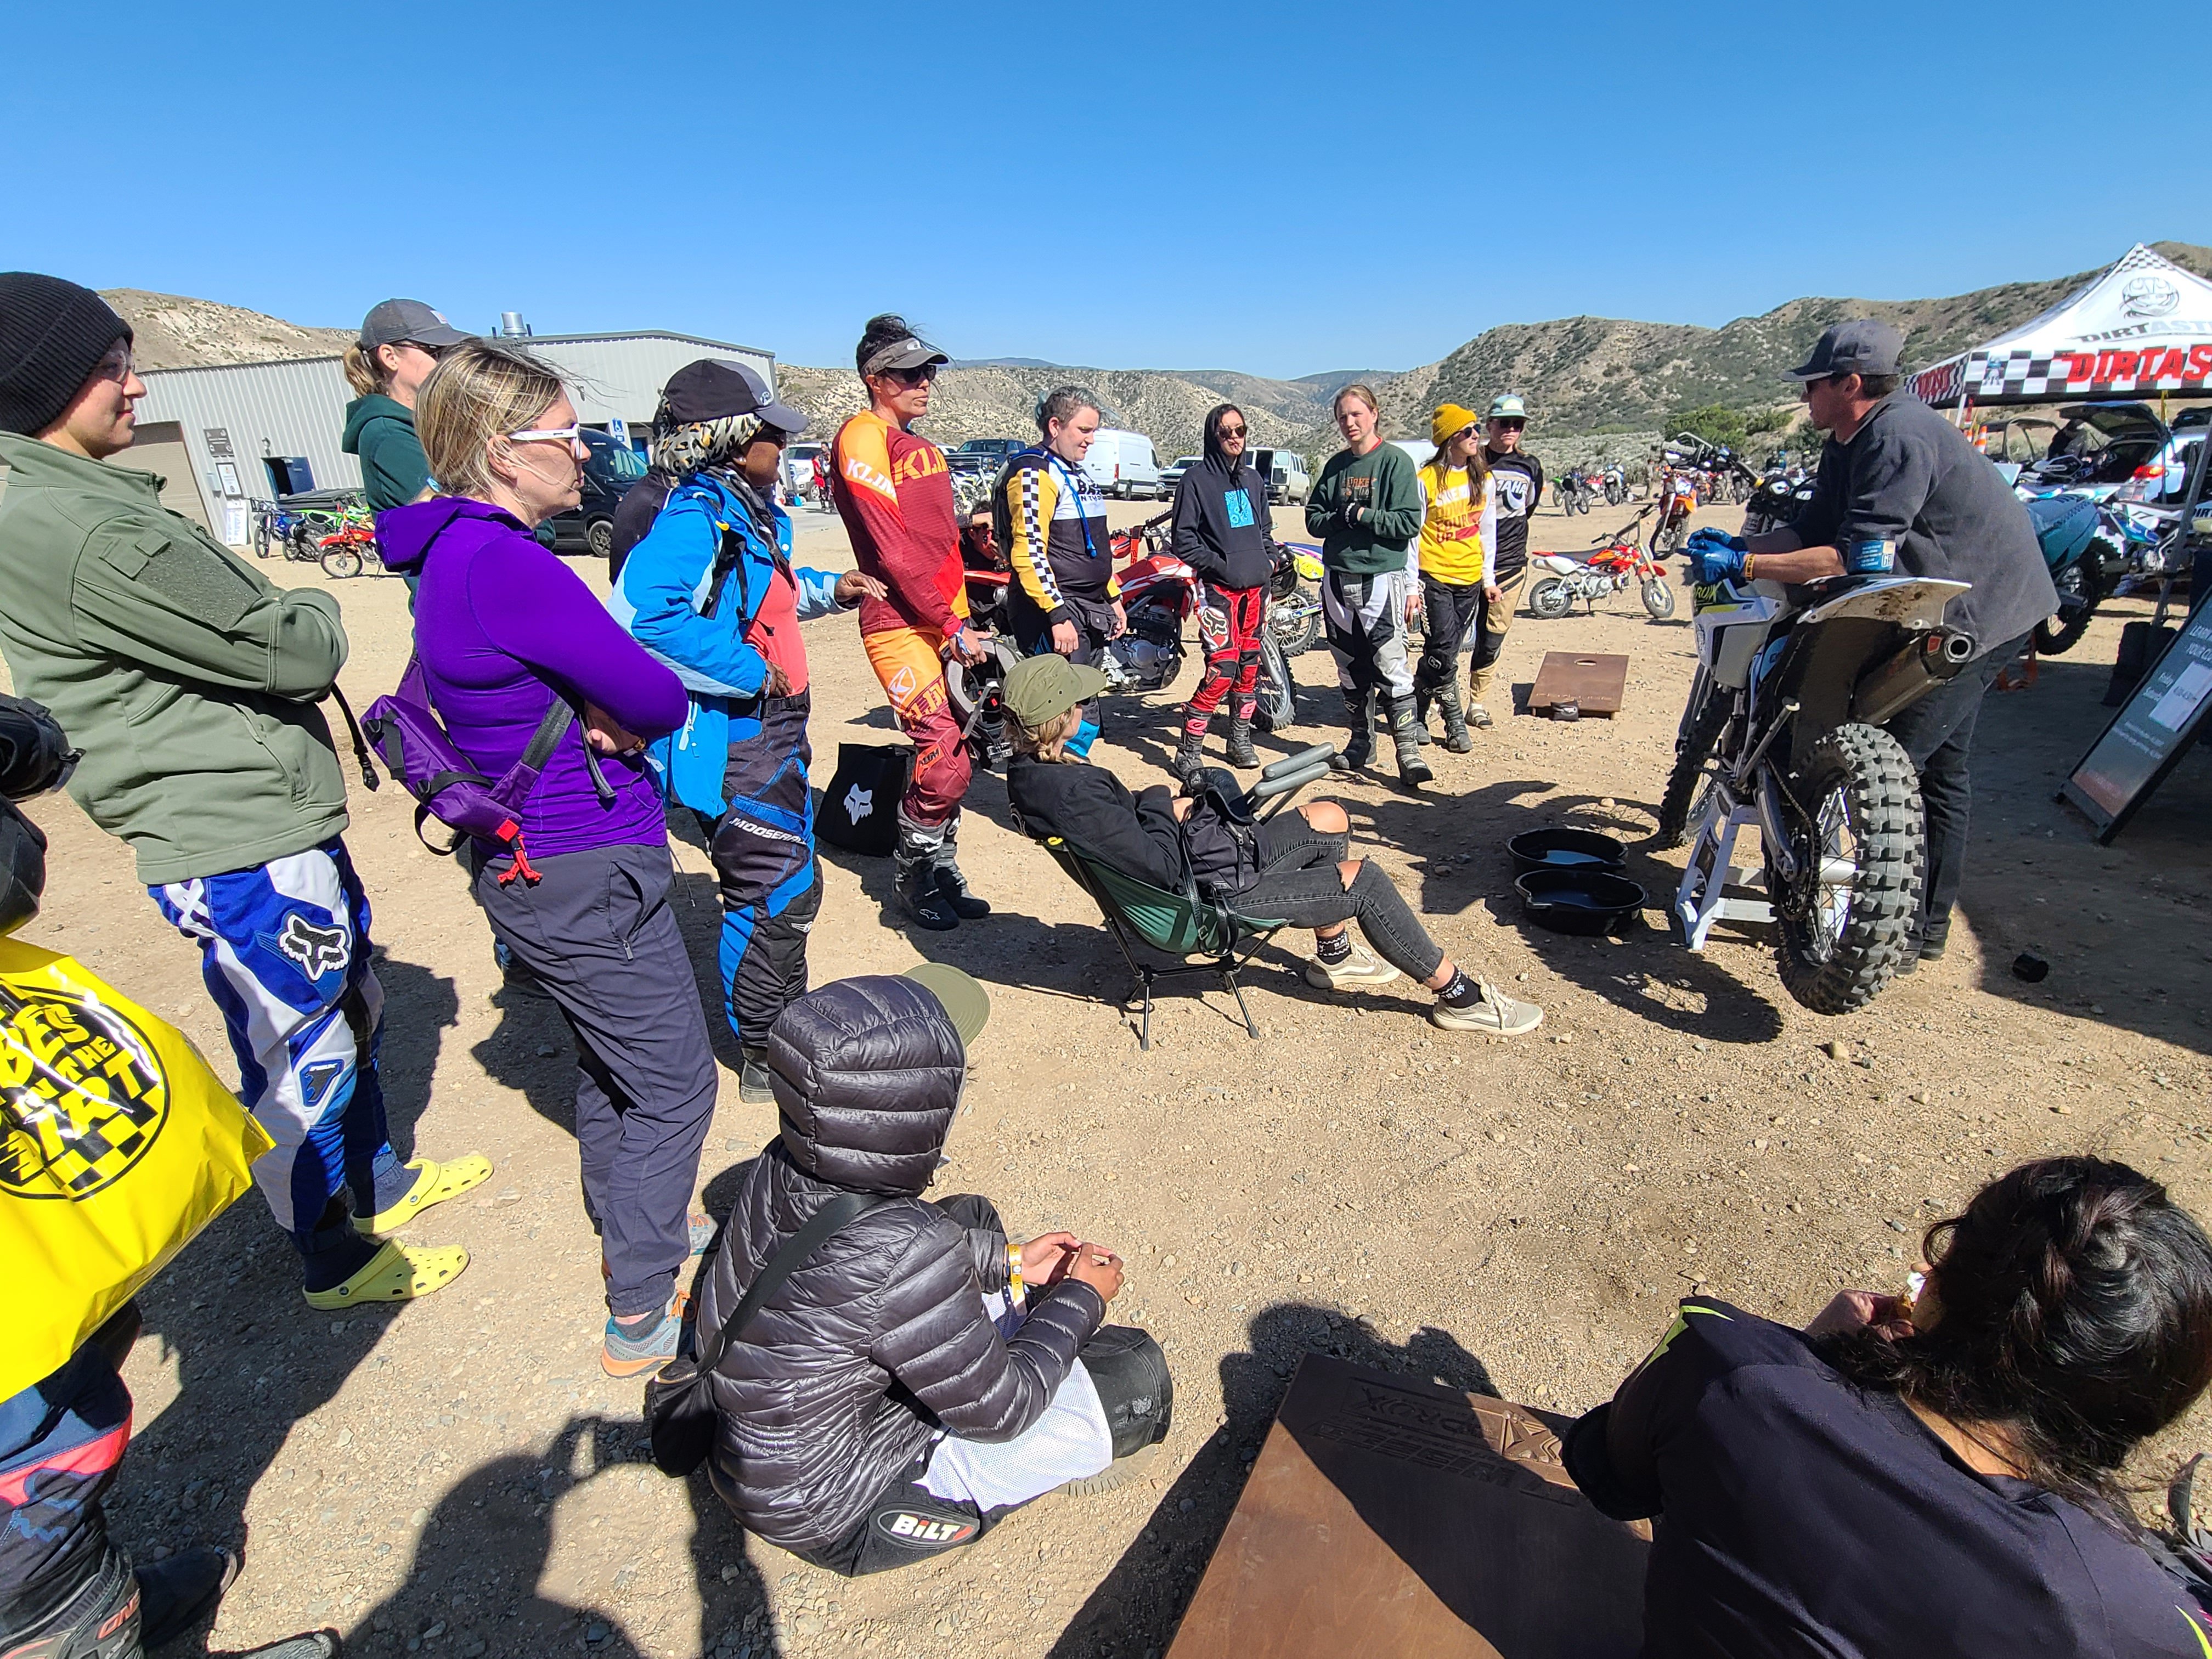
(880, 1339)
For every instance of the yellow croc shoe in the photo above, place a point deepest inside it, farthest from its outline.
(397, 1273)
(434, 1183)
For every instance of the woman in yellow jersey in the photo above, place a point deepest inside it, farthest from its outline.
(1459, 523)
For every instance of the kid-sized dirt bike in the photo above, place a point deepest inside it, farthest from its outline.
(1617, 563)
(1784, 728)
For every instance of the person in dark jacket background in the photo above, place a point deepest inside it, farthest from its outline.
(399, 345)
(1223, 531)
(919, 1377)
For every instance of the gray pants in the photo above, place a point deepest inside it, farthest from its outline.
(597, 932)
(1365, 617)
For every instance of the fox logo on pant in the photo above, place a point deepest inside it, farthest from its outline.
(934, 1531)
(317, 950)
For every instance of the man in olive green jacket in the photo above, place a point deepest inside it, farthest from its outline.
(190, 683)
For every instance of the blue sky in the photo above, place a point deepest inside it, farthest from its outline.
(1280, 189)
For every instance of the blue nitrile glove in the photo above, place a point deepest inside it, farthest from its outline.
(1719, 556)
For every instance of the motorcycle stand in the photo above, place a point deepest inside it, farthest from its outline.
(1703, 898)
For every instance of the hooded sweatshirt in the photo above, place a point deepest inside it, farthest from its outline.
(1223, 529)
(381, 431)
(500, 624)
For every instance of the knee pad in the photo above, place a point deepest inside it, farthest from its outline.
(1131, 1375)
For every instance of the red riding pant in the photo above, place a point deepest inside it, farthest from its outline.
(1229, 621)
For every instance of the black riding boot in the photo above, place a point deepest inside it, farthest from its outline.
(1241, 753)
(950, 883)
(919, 894)
(1360, 749)
(1412, 770)
(1189, 762)
(1421, 701)
(1455, 735)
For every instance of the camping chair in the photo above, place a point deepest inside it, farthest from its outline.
(1184, 925)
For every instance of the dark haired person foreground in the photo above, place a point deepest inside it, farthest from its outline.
(1297, 868)
(919, 1377)
(1934, 1478)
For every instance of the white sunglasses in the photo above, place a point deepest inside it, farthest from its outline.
(571, 435)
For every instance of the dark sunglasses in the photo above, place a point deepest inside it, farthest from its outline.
(921, 376)
(1230, 431)
(1510, 426)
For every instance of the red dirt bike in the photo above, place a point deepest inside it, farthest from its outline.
(1619, 561)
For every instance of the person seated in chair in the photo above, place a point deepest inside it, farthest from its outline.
(1938, 1473)
(1296, 868)
(919, 1375)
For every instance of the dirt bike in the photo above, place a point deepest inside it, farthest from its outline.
(1573, 494)
(1616, 486)
(1784, 724)
(1294, 610)
(342, 552)
(1677, 499)
(1160, 592)
(1619, 561)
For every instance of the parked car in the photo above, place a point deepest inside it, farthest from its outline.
(2164, 478)
(2101, 447)
(1124, 465)
(1173, 474)
(589, 527)
(983, 454)
(1285, 471)
(798, 469)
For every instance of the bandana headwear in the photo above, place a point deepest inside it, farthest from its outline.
(684, 449)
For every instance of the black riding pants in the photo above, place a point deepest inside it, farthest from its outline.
(1938, 734)
(1449, 613)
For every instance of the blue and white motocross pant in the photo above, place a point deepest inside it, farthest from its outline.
(284, 950)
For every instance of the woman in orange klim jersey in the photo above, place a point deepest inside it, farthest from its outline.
(895, 493)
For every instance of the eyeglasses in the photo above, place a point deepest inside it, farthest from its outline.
(118, 366)
(921, 376)
(1231, 432)
(434, 353)
(571, 435)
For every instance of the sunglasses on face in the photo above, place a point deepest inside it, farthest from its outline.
(571, 435)
(1233, 432)
(922, 376)
(1509, 426)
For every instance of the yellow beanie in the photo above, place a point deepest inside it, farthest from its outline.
(1449, 422)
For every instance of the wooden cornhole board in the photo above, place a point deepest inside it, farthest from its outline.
(1392, 1519)
(1595, 679)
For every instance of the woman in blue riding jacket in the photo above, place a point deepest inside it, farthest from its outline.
(711, 591)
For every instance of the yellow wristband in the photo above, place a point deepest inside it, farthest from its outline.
(1015, 1288)
(1747, 558)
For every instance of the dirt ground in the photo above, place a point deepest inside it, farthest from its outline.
(456, 1476)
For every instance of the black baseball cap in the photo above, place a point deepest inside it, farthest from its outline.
(912, 352)
(1861, 346)
(720, 389)
(408, 322)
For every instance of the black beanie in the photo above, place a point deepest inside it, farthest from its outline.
(53, 336)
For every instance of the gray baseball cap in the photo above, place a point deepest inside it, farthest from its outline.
(408, 322)
(1861, 346)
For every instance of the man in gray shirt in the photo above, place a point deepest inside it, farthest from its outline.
(1894, 472)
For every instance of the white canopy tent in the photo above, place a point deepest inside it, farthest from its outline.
(2142, 328)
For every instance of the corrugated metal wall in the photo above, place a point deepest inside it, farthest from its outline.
(298, 407)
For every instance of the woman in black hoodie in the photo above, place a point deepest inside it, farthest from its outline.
(1222, 531)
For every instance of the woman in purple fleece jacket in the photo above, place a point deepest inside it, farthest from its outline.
(501, 626)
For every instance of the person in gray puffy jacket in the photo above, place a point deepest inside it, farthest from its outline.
(919, 1377)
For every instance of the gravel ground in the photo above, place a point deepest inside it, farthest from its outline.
(456, 1476)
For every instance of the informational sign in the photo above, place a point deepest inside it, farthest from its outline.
(226, 473)
(234, 524)
(218, 443)
(2150, 733)
(618, 430)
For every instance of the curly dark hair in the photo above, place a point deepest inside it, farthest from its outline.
(2072, 1306)
(878, 332)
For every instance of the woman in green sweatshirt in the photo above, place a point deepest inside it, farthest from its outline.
(1366, 508)
(399, 347)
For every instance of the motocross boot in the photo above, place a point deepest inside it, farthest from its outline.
(918, 894)
(1412, 770)
(1421, 701)
(1359, 749)
(950, 883)
(1189, 762)
(1241, 753)
(1455, 735)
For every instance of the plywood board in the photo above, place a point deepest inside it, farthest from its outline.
(1391, 1519)
(1595, 679)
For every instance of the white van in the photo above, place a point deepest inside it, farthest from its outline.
(1124, 465)
(1285, 471)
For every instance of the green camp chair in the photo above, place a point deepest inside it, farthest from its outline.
(1183, 925)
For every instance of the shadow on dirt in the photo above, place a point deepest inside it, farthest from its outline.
(479, 1584)
(1142, 1597)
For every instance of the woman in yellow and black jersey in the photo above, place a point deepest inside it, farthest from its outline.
(1051, 520)
(1459, 530)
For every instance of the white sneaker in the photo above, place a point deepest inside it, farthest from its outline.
(1477, 717)
(1362, 968)
(1496, 1013)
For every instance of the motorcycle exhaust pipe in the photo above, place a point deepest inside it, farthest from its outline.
(1926, 662)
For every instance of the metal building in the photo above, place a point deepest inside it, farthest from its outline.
(227, 422)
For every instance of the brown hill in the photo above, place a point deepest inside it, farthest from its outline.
(176, 332)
